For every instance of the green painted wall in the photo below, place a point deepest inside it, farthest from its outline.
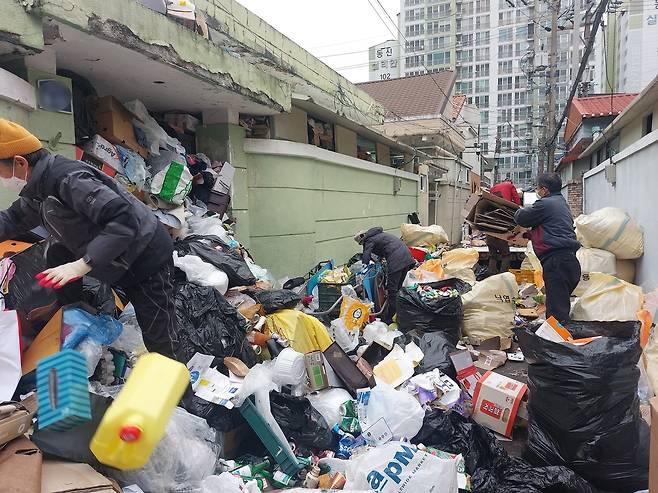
(304, 210)
(20, 28)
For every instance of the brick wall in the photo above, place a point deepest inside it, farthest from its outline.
(575, 197)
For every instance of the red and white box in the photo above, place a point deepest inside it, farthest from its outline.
(467, 373)
(496, 402)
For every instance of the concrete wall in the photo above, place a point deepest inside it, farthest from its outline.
(383, 154)
(291, 126)
(345, 140)
(633, 192)
(306, 203)
(450, 204)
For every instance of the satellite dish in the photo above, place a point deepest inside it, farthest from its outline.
(54, 95)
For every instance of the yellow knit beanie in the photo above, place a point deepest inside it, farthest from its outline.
(16, 141)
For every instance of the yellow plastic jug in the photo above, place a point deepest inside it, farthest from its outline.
(135, 422)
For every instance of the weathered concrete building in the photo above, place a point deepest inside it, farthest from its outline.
(319, 171)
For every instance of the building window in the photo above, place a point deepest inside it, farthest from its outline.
(505, 67)
(414, 61)
(481, 101)
(482, 70)
(523, 114)
(481, 54)
(414, 30)
(444, 10)
(520, 82)
(465, 87)
(505, 51)
(465, 39)
(505, 34)
(522, 32)
(481, 86)
(411, 3)
(504, 83)
(482, 6)
(414, 14)
(505, 18)
(647, 124)
(520, 98)
(440, 58)
(482, 22)
(415, 46)
(464, 24)
(484, 117)
(505, 115)
(366, 149)
(439, 43)
(465, 56)
(505, 99)
(320, 133)
(465, 72)
(482, 38)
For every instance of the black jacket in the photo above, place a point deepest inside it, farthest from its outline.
(87, 211)
(552, 226)
(396, 253)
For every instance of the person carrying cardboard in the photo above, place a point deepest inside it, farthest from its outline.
(554, 242)
(96, 228)
(398, 260)
(499, 252)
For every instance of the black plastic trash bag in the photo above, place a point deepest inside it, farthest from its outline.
(491, 468)
(300, 422)
(25, 294)
(275, 300)
(230, 262)
(584, 409)
(206, 323)
(436, 346)
(441, 314)
(99, 295)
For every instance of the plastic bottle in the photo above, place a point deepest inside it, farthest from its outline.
(135, 422)
(312, 478)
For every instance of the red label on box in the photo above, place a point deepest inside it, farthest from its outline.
(492, 409)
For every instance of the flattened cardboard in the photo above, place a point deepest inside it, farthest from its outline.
(70, 477)
(20, 467)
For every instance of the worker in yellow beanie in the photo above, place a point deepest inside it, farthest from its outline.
(96, 228)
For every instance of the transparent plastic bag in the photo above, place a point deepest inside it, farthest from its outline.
(102, 329)
(347, 339)
(401, 411)
(228, 483)
(327, 403)
(181, 461)
(202, 273)
(155, 134)
(130, 341)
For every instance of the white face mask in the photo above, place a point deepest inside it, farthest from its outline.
(13, 184)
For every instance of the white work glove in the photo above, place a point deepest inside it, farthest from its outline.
(58, 277)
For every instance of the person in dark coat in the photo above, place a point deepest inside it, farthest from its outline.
(398, 260)
(96, 228)
(554, 242)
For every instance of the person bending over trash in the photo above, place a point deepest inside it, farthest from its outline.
(398, 260)
(96, 227)
(554, 242)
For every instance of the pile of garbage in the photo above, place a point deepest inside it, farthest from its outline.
(297, 384)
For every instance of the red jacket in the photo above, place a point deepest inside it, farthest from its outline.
(508, 191)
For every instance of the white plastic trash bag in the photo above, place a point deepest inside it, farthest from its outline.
(400, 411)
(613, 230)
(327, 403)
(347, 339)
(173, 183)
(398, 467)
(416, 235)
(202, 273)
(596, 260)
(605, 298)
(459, 263)
(489, 307)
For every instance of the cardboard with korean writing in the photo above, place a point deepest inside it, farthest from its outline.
(496, 402)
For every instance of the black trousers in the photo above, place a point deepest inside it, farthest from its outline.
(152, 298)
(498, 252)
(394, 282)
(561, 276)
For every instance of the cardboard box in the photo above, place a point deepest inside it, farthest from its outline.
(104, 151)
(16, 418)
(653, 457)
(20, 467)
(485, 203)
(70, 477)
(98, 164)
(317, 374)
(467, 374)
(115, 123)
(496, 402)
(49, 340)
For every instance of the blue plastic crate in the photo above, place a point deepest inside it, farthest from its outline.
(288, 462)
(62, 390)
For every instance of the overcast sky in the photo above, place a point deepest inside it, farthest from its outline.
(344, 28)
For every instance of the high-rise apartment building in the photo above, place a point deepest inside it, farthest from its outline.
(499, 49)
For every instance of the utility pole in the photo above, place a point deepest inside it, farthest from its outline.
(552, 85)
